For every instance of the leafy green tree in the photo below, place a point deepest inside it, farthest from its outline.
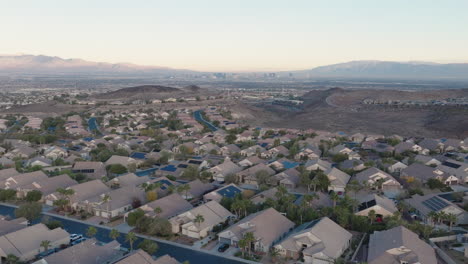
(30, 211)
(133, 216)
(7, 195)
(117, 169)
(339, 157)
(33, 196)
(230, 138)
(91, 231)
(191, 173)
(149, 246)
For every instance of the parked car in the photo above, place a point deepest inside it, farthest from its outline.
(74, 237)
(223, 247)
(78, 241)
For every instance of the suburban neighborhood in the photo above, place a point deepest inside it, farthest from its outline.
(200, 179)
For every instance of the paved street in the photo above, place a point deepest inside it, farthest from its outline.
(178, 251)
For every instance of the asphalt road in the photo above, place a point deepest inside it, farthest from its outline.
(181, 253)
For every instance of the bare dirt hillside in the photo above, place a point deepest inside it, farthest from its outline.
(343, 110)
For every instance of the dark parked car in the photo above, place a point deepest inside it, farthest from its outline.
(223, 247)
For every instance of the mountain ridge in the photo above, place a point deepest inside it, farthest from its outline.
(41, 64)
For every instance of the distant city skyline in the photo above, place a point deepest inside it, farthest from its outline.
(209, 35)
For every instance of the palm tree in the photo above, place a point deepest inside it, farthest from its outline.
(242, 245)
(106, 199)
(249, 238)
(451, 218)
(199, 219)
(334, 198)
(372, 216)
(184, 188)
(91, 231)
(442, 216)
(274, 253)
(114, 234)
(433, 215)
(12, 259)
(130, 238)
(66, 194)
(45, 244)
(157, 210)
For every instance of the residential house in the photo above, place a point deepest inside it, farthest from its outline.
(6, 162)
(399, 245)
(431, 145)
(396, 167)
(308, 152)
(251, 161)
(249, 176)
(92, 169)
(21, 152)
(120, 201)
(229, 191)
(455, 168)
(46, 185)
(82, 192)
(141, 257)
(213, 214)
(424, 205)
(381, 206)
(352, 164)
(7, 173)
(170, 206)
(222, 170)
(423, 173)
(38, 161)
(289, 178)
(268, 227)
(229, 150)
(338, 180)
(321, 241)
(122, 160)
(197, 190)
(129, 179)
(274, 152)
(261, 197)
(379, 180)
(55, 152)
(410, 146)
(283, 164)
(317, 164)
(427, 160)
(26, 243)
(15, 181)
(90, 252)
(251, 151)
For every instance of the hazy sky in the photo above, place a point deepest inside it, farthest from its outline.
(237, 34)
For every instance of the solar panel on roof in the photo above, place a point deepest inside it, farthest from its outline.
(198, 162)
(368, 204)
(182, 166)
(451, 165)
(435, 203)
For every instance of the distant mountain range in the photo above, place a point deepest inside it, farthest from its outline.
(388, 69)
(31, 64)
(41, 64)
